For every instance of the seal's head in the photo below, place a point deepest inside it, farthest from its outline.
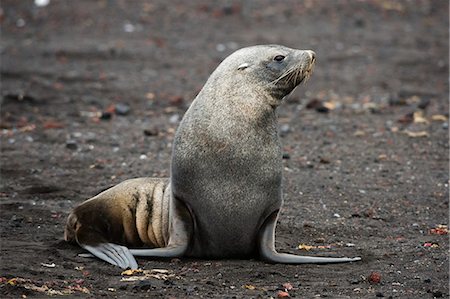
(273, 69)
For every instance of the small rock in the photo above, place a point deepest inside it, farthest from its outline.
(324, 160)
(287, 286)
(151, 132)
(71, 144)
(286, 156)
(176, 100)
(41, 3)
(282, 294)
(406, 119)
(427, 280)
(437, 294)
(174, 119)
(379, 294)
(374, 278)
(317, 105)
(284, 130)
(128, 27)
(220, 47)
(20, 23)
(106, 116)
(355, 281)
(424, 102)
(122, 109)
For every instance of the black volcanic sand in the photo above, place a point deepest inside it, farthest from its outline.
(92, 92)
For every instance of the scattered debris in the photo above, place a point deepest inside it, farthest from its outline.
(431, 245)
(160, 274)
(249, 287)
(59, 288)
(439, 230)
(309, 247)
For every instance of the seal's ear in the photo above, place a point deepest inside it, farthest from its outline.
(243, 66)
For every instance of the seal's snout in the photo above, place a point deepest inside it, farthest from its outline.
(312, 56)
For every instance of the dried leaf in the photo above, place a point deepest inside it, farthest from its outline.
(331, 105)
(50, 124)
(249, 287)
(305, 247)
(419, 118)
(130, 272)
(416, 134)
(359, 133)
(439, 230)
(439, 117)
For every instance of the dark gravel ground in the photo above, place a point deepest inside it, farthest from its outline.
(365, 140)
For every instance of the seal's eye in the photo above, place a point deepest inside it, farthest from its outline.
(279, 58)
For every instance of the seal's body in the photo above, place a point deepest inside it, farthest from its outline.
(226, 170)
(227, 161)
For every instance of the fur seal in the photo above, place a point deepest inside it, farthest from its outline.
(225, 189)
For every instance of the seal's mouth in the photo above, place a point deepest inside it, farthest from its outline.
(309, 70)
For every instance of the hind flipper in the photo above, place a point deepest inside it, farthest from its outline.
(113, 254)
(268, 252)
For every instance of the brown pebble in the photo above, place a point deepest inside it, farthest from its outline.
(282, 294)
(374, 278)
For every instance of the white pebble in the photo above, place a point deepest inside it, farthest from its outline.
(221, 47)
(41, 3)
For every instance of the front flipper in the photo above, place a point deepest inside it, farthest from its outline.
(268, 252)
(113, 254)
(180, 232)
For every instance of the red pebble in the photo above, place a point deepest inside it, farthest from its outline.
(282, 294)
(374, 278)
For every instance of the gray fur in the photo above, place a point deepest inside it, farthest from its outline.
(225, 189)
(227, 160)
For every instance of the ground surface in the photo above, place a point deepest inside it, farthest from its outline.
(359, 179)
